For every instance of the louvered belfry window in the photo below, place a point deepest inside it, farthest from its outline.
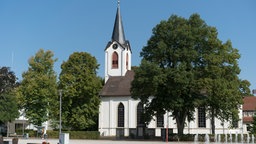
(127, 60)
(114, 60)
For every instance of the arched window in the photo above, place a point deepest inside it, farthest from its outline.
(160, 120)
(120, 119)
(114, 60)
(127, 60)
(201, 117)
(140, 111)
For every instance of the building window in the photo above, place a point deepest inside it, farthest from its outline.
(114, 60)
(120, 115)
(201, 117)
(140, 111)
(127, 60)
(160, 120)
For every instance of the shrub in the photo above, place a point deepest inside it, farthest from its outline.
(187, 137)
(31, 132)
(75, 134)
(52, 134)
(84, 134)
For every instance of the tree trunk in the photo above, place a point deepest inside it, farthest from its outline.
(180, 120)
(180, 127)
(213, 120)
(8, 129)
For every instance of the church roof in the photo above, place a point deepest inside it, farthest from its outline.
(118, 31)
(118, 85)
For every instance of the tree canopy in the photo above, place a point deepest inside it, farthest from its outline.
(38, 89)
(80, 85)
(8, 101)
(186, 66)
(252, 127)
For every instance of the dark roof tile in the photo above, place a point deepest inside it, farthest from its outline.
(118, 85)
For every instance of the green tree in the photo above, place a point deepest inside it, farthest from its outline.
(185, 66)
(8, 102)
(80, 85)
(219, 72)
(252, 127)
(38, 89)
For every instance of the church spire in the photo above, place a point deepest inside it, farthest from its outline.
(118, 31)
(118, 51)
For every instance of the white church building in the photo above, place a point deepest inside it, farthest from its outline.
(120, 114)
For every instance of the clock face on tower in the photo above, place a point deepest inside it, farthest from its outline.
(114, 46)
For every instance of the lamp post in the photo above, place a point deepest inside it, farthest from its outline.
(23, 121)
(167, 128)
(60, 92)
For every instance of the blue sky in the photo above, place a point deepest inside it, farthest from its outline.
(67, 26)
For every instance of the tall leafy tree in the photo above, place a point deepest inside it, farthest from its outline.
(252, 127)
(185, 66)
(8, 102)
(219, 79)
(80, 85)
(38, 89)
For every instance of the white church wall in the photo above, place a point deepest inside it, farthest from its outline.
(152, 124)
(193, 128)
(108, 119)
(104, 117)
(108, 114)
(123, 61)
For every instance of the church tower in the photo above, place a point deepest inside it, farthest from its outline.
(117, 51)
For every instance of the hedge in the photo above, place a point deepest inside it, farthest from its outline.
(75, 134)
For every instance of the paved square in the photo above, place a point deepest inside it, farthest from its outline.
(72, 141)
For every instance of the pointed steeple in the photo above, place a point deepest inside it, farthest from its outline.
(118, 31)
(118, 51)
